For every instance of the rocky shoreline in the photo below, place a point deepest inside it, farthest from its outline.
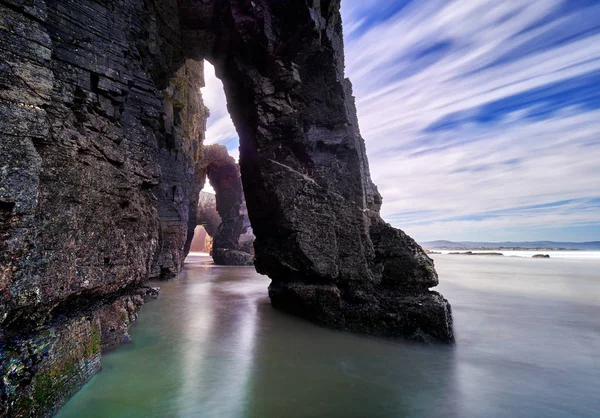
(42, 368)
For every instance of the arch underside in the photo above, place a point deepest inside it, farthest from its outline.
(312, 205)
(225, 215)
(102, 127)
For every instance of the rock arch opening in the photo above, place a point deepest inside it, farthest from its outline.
(202, 241)
(221, 210)
(103, 125)
(224, 214)
(311, 202)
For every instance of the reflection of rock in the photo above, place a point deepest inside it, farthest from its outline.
(232, 236)
(541, 256)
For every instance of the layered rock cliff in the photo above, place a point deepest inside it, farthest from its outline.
(101, 125)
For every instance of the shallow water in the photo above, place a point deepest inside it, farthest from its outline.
(528, 345)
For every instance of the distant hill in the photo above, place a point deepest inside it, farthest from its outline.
(470, 245)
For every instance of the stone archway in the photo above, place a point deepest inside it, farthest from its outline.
(101, 131)
(312, 205)
(227, 222)
(207, 215)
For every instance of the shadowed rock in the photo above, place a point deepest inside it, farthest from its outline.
(102, 124)
(313, 207)
(232, 240)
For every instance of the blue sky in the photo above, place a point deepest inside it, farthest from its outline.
(481, 117)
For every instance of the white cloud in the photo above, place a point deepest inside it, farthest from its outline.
(478, 167)
(438, 184)
(219, 127)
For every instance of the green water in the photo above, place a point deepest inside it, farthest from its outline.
(528, 339)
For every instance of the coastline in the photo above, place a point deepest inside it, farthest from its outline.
(562, 254)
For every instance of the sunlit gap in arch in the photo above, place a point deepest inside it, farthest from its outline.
(219, 126)
(219, 130)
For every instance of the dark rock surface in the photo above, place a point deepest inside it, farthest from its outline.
(98, 152)
(232, 240)
(313, 207)
(40, 372)
(101, 131)
(101, 124)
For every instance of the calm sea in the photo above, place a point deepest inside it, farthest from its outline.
(528, 345)
(588, 255)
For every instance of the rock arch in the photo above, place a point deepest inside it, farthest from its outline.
(207, 214)
(102, 124)
(312, 204)
(232, 235)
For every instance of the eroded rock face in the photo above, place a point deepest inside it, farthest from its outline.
(313, 207)
(101, 125)
(232, 240)
(40, 372)
(99, 146)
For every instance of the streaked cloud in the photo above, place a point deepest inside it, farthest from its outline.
(472, 109)
(220, 129)
(481, 117)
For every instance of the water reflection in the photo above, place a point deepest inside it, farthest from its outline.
(217, 344)
(302, 370)
(528, 340)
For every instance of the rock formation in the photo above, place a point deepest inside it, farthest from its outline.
(311, 202)
(207, 214)
(232, 240)
(240, 238)
(101, 125)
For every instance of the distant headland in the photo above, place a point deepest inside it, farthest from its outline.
(509, 245)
